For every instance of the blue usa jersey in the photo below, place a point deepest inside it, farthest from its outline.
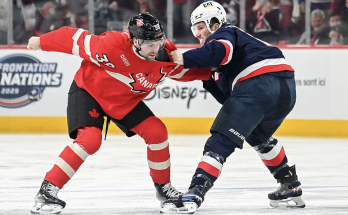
(238, 56)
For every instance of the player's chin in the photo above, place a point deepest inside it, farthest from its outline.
(151, 57)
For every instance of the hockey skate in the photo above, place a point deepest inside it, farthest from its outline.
(165, 192)
(288, 194)
(189, 202)
(47, 201)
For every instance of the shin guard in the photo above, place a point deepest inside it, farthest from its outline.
(209, 167)
(155, 135)
(88, 141)
(273, 156)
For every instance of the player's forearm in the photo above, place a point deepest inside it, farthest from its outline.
(201, 58)
(60, 40)
(183, 75)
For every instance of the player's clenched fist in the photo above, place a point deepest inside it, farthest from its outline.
(177, 57)
(34, 43)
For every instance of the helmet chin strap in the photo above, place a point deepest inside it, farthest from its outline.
(137, 49)
(211, 31)
(209, 28)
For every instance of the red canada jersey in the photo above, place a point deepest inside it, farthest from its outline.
(112, 71)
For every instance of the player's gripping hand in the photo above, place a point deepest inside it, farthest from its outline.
(34, 43)
(177, 57)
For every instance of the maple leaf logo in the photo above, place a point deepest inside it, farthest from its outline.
(93, 113)
(134, 82)
(133, 88)
(140, 22)
(140, 84)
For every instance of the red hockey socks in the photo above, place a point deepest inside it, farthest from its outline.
(88, 142)
(155, 134)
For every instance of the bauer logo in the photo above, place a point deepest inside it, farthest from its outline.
(24, 78)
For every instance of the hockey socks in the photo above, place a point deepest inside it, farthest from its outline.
(88, 142)
(273, 155)
(155, 134)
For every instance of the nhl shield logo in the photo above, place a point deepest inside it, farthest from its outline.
(140, 22)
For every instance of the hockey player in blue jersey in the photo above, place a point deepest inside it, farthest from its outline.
(256, 87)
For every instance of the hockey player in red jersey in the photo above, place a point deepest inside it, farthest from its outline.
(256, 87)
(118, 70)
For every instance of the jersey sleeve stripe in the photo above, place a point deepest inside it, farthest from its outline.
(262, 67)
(87, 43)
(179, 75)
(75, 48)
(173, 70)
(229, 51)
(121, 78)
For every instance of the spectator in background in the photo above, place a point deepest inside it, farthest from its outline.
(286, 8)
(178, 18)
(338, 30)
(298, 20)
(24, 22)
(232, 11)
(181, 17)
(159, 9)
(53, 15)
(265, 22)
(80, 10)
(319, 4)
(299, 15)
(248, 14)
(155, 7)
(105, 11)
(320, 30)
(3, 23)
(340, 7)
(116, 13)
(124, 4)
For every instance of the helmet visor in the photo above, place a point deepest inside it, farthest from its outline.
(198, 26)
(194, 30)
(152, 44)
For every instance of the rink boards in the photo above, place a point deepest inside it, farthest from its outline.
(34, 86)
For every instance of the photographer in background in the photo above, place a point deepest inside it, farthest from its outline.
(338, 30)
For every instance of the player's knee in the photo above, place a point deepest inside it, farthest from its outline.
(89, 138)
(152, 130)
(220, 144)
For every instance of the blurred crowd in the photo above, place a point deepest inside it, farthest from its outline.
(36, 17)
(274, 21)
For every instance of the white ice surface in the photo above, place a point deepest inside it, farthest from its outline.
(116, 179)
